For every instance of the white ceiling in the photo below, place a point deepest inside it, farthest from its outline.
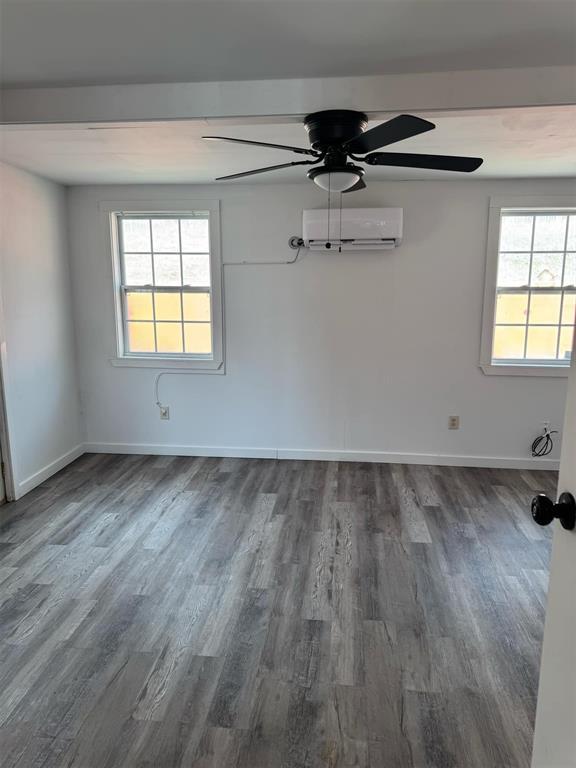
(530, 142)
(65, 42)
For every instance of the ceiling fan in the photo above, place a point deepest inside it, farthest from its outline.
(339, 135)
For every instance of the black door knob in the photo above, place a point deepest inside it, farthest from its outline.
(544, 510)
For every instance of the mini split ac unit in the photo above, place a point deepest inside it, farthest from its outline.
(356, 229)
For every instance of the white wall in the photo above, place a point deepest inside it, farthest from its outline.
(338, 354)
(39, 364)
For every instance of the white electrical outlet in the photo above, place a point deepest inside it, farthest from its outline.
(164, 412)
(453, 422)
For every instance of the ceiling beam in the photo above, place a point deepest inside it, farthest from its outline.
(480, 89)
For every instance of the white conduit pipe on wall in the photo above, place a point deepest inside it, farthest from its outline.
(294, 242)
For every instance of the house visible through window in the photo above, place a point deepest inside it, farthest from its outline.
(535, 303)
(166, 284)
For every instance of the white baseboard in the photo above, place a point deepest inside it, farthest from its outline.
(430, 459)
(160, 449)
(382, 457)
(23, 486)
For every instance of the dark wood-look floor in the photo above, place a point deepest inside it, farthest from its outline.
(160, 611)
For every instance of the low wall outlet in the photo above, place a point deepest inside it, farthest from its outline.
(164, 412)
(453, 422)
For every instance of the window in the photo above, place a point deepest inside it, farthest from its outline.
(530, 298)
(168, 294)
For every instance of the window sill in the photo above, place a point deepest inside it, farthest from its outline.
(552, 371)
(167, 363)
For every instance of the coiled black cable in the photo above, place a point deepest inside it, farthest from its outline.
(543, 444)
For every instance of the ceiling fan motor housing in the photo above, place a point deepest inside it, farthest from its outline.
(333, 127)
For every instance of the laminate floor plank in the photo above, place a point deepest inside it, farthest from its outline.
(176, 612)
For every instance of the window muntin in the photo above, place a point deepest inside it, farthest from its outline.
(536, 288)
(166, 285)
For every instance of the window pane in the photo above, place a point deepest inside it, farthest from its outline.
(571, 246)
(169, 337)
(547, 269)
(566, 337)
(167, 306)
(165, 235)
(138, 269)
(161, 255)
(139, 306)
(141, 337)
(508, 342)
(569, 308)
(198, 338)
(516, 233)
(550, 233)
(542, 343)
(196, 306)
(538, 250)
(511, 307)
(167, 269)
(570, 269)
(195, 235)
(513, 269)
(196, 269)
(545, 308)
(136, 235)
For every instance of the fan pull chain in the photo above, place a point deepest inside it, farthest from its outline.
(328, 236)
(340, 226)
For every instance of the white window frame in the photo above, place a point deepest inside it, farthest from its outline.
(556, 204)
(213, 363)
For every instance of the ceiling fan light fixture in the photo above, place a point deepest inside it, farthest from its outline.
(336, 179)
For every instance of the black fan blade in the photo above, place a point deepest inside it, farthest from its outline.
(264, 170)
(298, 150)
(397, 129)
(433, 162)
(360, 184)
